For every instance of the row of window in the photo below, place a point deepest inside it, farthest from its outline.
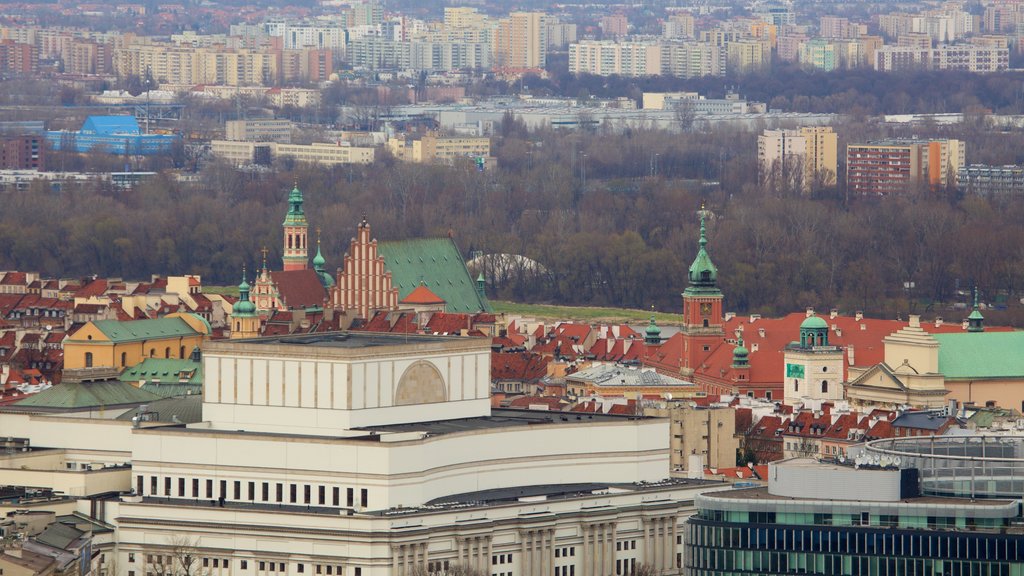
(296, 493)
(162, 565)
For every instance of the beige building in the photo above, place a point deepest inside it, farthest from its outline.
(432, 148)
(798, 159)
(606, 58)
(814, 368)
(708, 433)
(520, 41)
(259, 130)
(379, 455)
(326, 154)
(908, 376)
(198, 65)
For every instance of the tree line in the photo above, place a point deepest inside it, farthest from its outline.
(610, 219)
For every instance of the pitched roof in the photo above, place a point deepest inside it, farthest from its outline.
(523, 366)
(438, 263)
(422, 295)
(81, 395)
(299, 289)
(111, 125)
(150, 329)
(981, 355)
(166, 370)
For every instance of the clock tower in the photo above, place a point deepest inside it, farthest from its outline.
(703, 326)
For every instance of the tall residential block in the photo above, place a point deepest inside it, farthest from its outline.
(520, 41)
(798, 159)
(898, 166)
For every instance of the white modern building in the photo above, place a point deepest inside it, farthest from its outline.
(375, 455)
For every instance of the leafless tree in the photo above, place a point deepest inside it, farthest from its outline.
(179, 558)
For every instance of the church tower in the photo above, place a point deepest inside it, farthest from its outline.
(703, 325)
(296, 233)
(245, 323)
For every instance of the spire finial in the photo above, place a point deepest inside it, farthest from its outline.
(264, 252)
(243, 273)
(975, 297)
(318, 237)
(703, 231)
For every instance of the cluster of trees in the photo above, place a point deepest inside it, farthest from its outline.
(609, 219)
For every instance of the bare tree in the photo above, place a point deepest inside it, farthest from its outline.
(179, 558)
(685, 115)
(450, 570)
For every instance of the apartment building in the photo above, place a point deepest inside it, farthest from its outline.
(962, 57)
(798, 159)
(897, 166)
(520, 41)
(259, 130)
(322, 153)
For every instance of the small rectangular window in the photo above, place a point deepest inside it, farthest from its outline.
(364, 497)
(181, 487)
(195, 487)
(209, 488)
(306, 494)
(350, 497)
(292, 493)
(238, 490)
(336, 496)
(252, 490)
(245, 564)
(302, 568)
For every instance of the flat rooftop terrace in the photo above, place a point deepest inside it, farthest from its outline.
(502, 418)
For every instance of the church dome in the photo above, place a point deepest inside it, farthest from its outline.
(813, 322)
(244, 307)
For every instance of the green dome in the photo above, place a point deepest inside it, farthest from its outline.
(813, 322)
(740, 351)
(295, 216)
(652, 329)
(244, 307)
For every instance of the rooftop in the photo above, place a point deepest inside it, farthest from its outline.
(761, 493)
(349, 340)
(501, 418)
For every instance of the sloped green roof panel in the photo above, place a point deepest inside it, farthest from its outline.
(981, 355)
(437, 263)
(167, 370)
(81, 395)
(136, 330)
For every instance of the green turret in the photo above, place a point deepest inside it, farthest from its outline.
(976, 322)
(703, 274)
(740, 356)
(244, 307)
(652, 335)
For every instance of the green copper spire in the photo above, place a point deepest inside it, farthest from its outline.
(243, 307)
(481, 286)
(319, 262)
(652, 335)
(703, 274)
(976, 322)
(740, 355)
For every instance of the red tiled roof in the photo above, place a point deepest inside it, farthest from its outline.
(95, 287)
(571, 330)
(759, 472)
(422, 295)
(299, 288)
(447, 323)
(14, 279)
(551, 402)
(522, 366)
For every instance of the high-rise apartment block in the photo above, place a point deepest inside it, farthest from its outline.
(520, 41)
(797, 159)
(898, 166)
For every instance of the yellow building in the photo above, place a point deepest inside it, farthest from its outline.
(433, 148)
(115, 344)
(520, 41)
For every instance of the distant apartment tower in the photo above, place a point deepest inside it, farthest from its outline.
(17, 58)
(614, 25)
(797, 159)
(840, 28)
(605, 58)
(679, 25)
(961, 57)
(520, 41)
(22, 152)
(898, 166)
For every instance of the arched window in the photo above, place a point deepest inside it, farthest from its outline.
(167, 352)
(238, 326)
(152, 352)
(181, 352)
(824, 386)
(289, 241)
(88, 359)
(124, 359)
(705, 276)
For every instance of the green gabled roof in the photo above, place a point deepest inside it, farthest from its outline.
(136, 330)
(165, 370)
(981, 355)
(81, 395)
(438, 263)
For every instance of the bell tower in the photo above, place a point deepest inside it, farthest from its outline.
(296, 233)
(703, 324)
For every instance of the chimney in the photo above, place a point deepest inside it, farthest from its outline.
(760, 332)
(729, 316)
(753, 347)
(839, 332)
(858, 315)
(915, 320)
(833, 313)
(810, 311)
(938, 321)
(964, 324)
(754, 318)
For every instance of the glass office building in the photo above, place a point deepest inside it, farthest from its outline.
(832, 519)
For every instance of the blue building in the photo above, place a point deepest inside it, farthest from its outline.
(114, 134)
